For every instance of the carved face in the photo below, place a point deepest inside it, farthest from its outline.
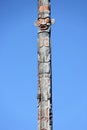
(43, 23)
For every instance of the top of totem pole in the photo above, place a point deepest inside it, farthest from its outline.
(44, 22)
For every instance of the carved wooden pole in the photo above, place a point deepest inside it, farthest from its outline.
(44, 66)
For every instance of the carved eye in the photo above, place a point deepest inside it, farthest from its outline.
(40, 20)
(47, 20)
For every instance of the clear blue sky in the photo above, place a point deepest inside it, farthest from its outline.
(18, 64)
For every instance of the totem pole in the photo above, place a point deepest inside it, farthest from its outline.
(44, 66)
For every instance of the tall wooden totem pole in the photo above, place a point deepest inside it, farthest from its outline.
(44, 96)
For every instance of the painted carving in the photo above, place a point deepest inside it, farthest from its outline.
(43, 41)
(44, 23)
(44, 95)
(43, 8)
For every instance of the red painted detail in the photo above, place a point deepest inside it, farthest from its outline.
(44, 118)
(42, 8)
(43, 129)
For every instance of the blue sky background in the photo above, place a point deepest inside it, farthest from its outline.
(18, 64)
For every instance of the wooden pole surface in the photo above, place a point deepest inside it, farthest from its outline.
(44, 66)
